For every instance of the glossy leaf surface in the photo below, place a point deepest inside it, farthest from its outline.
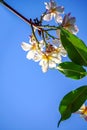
(75, 47)
(72, 102)
(72, 70)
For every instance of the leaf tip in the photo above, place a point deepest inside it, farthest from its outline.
(59, 123)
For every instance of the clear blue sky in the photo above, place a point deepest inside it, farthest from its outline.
(29, 99)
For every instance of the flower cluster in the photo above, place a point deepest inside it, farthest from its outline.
(48, 51)
(48, 56)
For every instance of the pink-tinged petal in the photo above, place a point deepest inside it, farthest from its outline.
(25, 46)
(85, 118)
(47, 17)
(65, 20)
(69, 24)
(72, 20)
(53, 4)
(75, 29)
(60, 9)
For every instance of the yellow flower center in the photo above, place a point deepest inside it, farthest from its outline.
(34, 47)
(47, 57)
(84, 111)
(53, 10)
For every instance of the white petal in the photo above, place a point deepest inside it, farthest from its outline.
(25, 46)
(45, 68)
(82, 108)
(48, 5)
(43, 62)
(57, 60)
(41, 44)
(73, 29)
(52, 64)
(44, 65)
(47, 17)
(63, 52)
(37, 57)
(30, 55)
(58, 18)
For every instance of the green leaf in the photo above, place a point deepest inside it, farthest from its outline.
(75, 47)
(72, 70)
(72, 102)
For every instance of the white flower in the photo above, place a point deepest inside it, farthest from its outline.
(32, 48)
(62, 51)
(51, 57)
(83, 111)
(69, 24)
(60, 48)
(49, 61)
(53, 11)
(32, 52)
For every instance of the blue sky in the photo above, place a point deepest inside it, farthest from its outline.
(29, 99)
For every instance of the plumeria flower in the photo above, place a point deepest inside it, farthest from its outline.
(51, 57)
(49, 61)
(32, 48)
(83, 111)
(69, 23)
(58, 44)
(53, 11)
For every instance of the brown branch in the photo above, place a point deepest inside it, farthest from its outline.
(18, 14)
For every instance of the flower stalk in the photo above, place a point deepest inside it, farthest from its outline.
(35, 36)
